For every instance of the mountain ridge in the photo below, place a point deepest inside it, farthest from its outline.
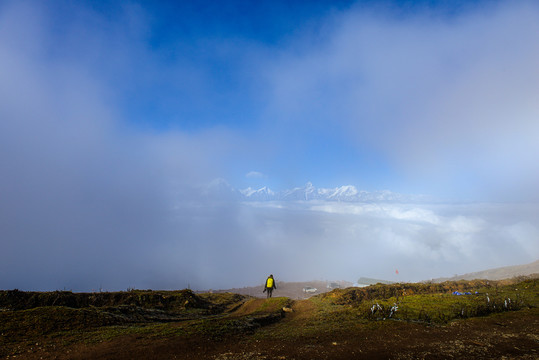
(500, 273)
(347, 193)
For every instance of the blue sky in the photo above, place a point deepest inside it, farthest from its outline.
(111, 114)
(373, 94)
(323, 86)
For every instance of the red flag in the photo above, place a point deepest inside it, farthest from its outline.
(396, 271)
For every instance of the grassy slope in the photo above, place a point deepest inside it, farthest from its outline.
(435, 302)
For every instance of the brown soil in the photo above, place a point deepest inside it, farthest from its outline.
(510, 335)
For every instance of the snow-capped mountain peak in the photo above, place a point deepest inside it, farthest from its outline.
(263, 193)
(346, 193)
(221, 189)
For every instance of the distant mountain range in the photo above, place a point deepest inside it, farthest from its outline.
(220, 189)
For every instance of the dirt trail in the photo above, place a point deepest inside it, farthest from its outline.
(301, 310)
(303, 307)
(249, 307)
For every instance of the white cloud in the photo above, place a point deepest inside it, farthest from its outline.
(343, 240)
(255, 175)
(522, 233)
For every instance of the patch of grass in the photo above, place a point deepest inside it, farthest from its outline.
(274, 304)
(414, 305)
(148, 299)
(254, 314)
(49, 319)
(27, 318)
(321, 319)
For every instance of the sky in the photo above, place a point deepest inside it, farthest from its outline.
(116, 117)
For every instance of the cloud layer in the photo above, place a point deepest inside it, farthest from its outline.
(325, 240)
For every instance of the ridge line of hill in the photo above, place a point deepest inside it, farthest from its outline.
(501, 273)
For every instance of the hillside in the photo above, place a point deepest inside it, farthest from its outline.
(497, 319)
(501, 273)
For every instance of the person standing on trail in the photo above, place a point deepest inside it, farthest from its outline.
(269, 286)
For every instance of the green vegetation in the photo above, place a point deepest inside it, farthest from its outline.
(171, 301)
(435, 303)
(272, 305)
(61, 317)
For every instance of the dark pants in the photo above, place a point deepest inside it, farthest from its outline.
(269, 291)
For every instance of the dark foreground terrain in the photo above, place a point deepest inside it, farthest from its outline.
(496, 320)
